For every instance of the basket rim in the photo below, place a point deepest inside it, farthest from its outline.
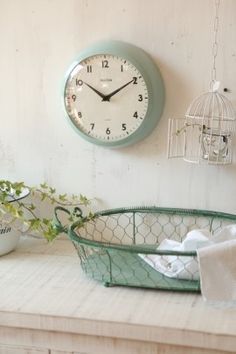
(140, 248)
(180, 211)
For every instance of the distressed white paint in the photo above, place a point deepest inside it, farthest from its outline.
(47, 302)
(39, 40)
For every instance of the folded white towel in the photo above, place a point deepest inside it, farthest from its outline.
(225, 234)
(180, 267)
(196, 239)
(217, 265)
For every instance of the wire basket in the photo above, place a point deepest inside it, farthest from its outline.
(120, 246)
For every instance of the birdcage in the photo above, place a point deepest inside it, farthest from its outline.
(205, 133)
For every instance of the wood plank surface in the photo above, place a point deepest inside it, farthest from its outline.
(43, 288)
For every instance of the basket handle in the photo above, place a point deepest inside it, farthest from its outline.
(57, 222)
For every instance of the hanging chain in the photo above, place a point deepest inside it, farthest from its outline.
(215, 43)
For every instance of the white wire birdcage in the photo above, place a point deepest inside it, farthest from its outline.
(205, 133)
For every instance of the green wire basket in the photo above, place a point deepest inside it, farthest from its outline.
(116, 246)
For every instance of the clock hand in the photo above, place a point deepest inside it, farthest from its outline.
(97, 92)
(107, 97)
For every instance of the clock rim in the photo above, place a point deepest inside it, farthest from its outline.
(151, 75)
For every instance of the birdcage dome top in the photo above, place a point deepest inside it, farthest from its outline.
(211, 105)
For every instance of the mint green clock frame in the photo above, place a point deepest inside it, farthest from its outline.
(151, 75)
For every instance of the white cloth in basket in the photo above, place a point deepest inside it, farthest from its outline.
(180, 267)
(215, 263)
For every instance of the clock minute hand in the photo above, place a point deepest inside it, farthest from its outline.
(95, 90)
(107, 97)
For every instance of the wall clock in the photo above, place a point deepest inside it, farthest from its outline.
(113, 94)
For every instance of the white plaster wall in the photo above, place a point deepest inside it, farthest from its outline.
(39, 40)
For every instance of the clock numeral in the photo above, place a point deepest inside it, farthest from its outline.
(73, 97)
(79, 115)
(135, 80)
(89, 68)
(78, 82)
(124, 126)
(92, 125)
(121, 68)
(140, 98)
(135, 115)
(105, 64)
(108, 131)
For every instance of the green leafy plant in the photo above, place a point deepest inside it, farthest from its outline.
(23, 213)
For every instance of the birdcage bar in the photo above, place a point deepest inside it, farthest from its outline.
(176, 138)
(193, 139)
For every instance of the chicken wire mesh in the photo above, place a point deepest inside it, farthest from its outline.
(120, 246)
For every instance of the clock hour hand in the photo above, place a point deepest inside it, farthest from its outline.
(95, 90)
(107, 97)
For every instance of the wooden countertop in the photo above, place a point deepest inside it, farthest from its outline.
(42, 287)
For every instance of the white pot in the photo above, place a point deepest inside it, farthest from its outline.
(9, 239)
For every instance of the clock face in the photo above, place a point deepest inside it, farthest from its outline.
(106, 97)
